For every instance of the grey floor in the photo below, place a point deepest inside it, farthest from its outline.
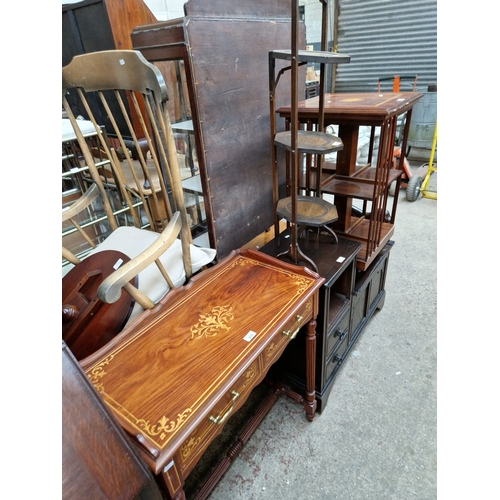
(377, 436)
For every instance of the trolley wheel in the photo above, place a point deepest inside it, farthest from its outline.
(413, 189)
(392, 188)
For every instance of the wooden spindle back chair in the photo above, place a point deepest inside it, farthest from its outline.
(132, 165)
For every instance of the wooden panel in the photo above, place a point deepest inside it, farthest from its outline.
(231, 60)
(85, 28)
(239, 8)
(124, 15)
(227, 46)
(97, 460)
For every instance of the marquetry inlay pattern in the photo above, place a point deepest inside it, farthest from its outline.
(98, 373)
(164, 426)
(210, 324)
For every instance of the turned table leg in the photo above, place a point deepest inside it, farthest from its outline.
(310, 402)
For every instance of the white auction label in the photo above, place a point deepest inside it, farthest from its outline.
(249, 336)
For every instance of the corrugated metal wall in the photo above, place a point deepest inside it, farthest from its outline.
(386, 38)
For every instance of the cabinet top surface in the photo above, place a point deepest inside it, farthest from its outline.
(357, 105)
(331, 258)
(163, 373)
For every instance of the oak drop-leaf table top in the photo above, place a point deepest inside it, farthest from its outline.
(174, 375)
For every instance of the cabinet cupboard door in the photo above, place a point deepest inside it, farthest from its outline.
(376, 286)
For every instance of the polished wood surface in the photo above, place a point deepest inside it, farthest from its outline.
(350, 111)
(356, 108)
(173, 377)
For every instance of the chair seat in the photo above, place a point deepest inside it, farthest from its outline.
(68, 134)
(132, 241)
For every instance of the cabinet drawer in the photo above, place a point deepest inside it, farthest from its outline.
(337, 334)
(288, 333)
(337, 357)
(193, 447)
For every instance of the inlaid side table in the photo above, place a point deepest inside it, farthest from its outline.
(174, 376)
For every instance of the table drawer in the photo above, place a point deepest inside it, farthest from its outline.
(337, 334)
(336, 358)
(193, 447)
(191, 450)
(286, 334)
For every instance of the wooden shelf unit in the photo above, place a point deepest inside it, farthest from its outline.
(298, 142)
(360, 185)
(349, 182)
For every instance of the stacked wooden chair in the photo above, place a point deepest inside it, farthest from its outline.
(133, 189)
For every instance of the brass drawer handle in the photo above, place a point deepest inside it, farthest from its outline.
(221, 418)
(293, 334)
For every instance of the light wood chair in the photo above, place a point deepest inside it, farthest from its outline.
(136, 191)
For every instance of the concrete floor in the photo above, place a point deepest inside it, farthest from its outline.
(377, 436)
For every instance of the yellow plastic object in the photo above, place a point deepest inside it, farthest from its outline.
(426, 193)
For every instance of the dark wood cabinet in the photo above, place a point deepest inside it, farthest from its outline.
(94, 25)
(347, 300)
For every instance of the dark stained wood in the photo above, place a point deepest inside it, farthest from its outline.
(225, 45)
(350, 111)
(359, 185)
(224, 330)
(92, 25)
(87, 322)
(336, 263)
(311, 211)
(348, 299)
(310, 142)
(236, 9)
(95, 25)
(359, 232)
(98, 461)
(310, 397)
(236, 448)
